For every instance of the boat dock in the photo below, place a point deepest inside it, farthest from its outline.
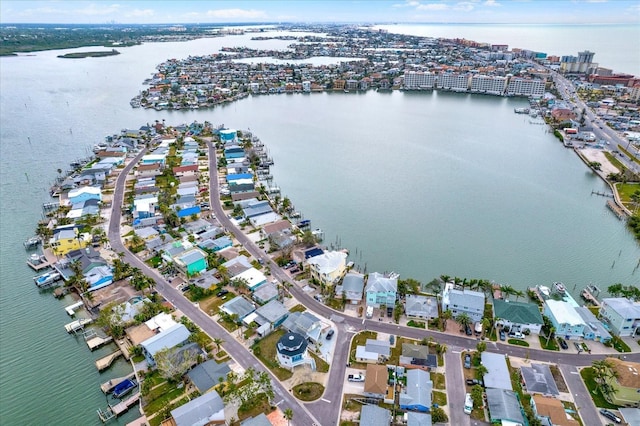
(71, 309)
(78, 324)
(616, 209)
(105, 362)
(108, 386)
(589, 297)
(94, 341)
(116, 410)
(39, 262)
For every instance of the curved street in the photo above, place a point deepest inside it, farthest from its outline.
(325, 411)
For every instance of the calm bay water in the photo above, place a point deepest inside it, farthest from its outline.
(423, 184)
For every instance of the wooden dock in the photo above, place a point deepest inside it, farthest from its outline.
(616, 209)
(108, 386)
(105, 362)
(46, 260)
(78, 324)
(114, 411)
(96, 341)
(589, 297)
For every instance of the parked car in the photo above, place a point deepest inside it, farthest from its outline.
(516, 334)
(222, 293)
(610, 415)
(467, 361)
(563, 343)
(330, 334)
(473, 382)
(389, 311)
(468, 331)
(355, 378)
(503, 335)
(578, 346)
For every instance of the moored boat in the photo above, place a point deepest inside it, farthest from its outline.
(124, 388)
(46, 279)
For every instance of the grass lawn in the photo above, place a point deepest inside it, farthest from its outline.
(349, 405)
(552, 346)
(161, 401)
(629, 154)
(258, 404)
(211, 304)
(518, 342)
(620, 345)
(309, 391)
(625, 190)
(229, 325)
(438, 380)
(335, 304)
(614, 161)
(265, 350)
(359, 340)
(298, 308)
(477, 413)
(321, 364)
(590, 382)
(439, 398)
(417, 324)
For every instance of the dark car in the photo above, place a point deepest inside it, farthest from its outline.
(473, 382)
(330, 334)
(222, 293)
(503, 336)
(389, 311)
(467, 361)
(467, 330)
(610, 415)
(562, 343)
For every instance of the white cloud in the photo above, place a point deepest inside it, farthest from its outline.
(140, 13)
(236, 14)
(98, 10)
(432, 6)
(491, 3)
(464, 6)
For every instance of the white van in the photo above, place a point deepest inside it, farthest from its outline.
(468, 404)
(369, 311)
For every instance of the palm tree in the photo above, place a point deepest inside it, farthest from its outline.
(518, 294)
(445, 278)
(507, 291)
(552, 330)
(288, 415)
(441, 348)
(464, 320)
(446, 315)
(218, 341)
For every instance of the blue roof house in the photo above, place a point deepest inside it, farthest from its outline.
(188, 211)
(222, 243)
(417, 393)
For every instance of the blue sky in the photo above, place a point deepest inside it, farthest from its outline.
(436, 11)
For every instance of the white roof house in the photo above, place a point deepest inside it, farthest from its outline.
(161, 322)
(328, 267)
(622, 315)
(497, 371)
(567, 322)
(253, 277)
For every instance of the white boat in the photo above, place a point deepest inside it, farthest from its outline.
(46, 279)
(559, 287)
(32, 242)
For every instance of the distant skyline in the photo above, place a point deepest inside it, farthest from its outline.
(377, 11)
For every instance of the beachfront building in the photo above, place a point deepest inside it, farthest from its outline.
(416, 395)
(565, 319)
(68, 239)
(627, 383)
(292, 350)
(381, 290)
(83, 194)
(518, 316)
(488, 84)
(205, 410)
(167, 339)
(329, 267)
(530, 87)
(453, 81)
(419, 80)
(621, 315)
(463, 301)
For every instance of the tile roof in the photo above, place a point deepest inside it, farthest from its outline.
(517, 312)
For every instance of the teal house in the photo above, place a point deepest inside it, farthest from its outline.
(191, 262)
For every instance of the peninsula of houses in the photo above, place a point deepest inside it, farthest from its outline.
(232, 311)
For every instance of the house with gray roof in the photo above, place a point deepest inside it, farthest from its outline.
(259, 420)
(414, 418)
(373, 351)
(372, 415)
(273, 313)
(497, 376)
(622, 315)
(237, 265)
(211, 233)
(538, 379)
(595, 329)
(463, 301)
(206, 280)
(518, 316)
(504, 406)
(265, 293)
(381, 290)
(418, 306)
(352, 286)
(207, 409)
(304, 323)
(167, 339)
(238, 306)
(417, 356)
(416, 395)
(207, 375)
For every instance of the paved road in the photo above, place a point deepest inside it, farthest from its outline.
(456, 388)
(584, 404)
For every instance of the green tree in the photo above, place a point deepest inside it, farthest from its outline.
(444, 317)
(464, 320)
(481, 346)
(218, 342)
(481, 370)
(172, 365)
(550, 333)
(288, 415)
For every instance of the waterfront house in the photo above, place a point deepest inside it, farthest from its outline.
(372, 415)
(497, 376)
(416, 395)
(65, 240)
(328, 268)
(84, 208)
(621, 315)
(352, 287)
(207, 375)
(167, 339)
(191, 262)
(626, 384)
(381, 290)
(275, 227)
(417, 356)
(539, 379)
(463, 301)
(565, 319)
(205, 410)
(82, 194)
(504, 406)
(417, 306)
(594, 329)
(292, 350)
(518, 316)
(304, 323)
(238, 307)
(376, 381)
(551, 411)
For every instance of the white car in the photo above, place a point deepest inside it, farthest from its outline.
(517, 335)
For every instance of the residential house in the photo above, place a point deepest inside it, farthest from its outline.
(191, 262)
(252, 277)
(222, 243)
(206, 279)
(539, 379)
(83, 194)
(504, 406)
(622, 315)
(148, 170)
(417, 356)
(292, 350)
(417, 306)
(167, 339)
(551, 411)
(144, 206)
(237, 265)
(376, 381)
(181, 171)
(567, 322)
(594, 329)
(626, 384)
(373, 351)
(328, 268)
(463, 301)
(497, 376)
(85, 208)
(66, 240)
(205, 410)
(352, 287)
(186, 210)
(139, 333)
(198, 226)
(416, 395)
(518, 316)
(275, 227)
(631, 416)
(381, 290)
(273, 313)
(259, 420)
(147, 233)
(413, 418)
(372, 415)
(304, 323)
(238, 307)
(265, 293)
(207, 375)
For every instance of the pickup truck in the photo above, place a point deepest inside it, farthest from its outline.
(355, 378)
